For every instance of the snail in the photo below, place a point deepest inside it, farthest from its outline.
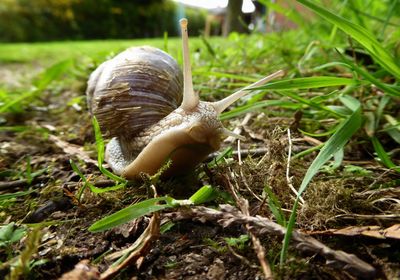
(148, 106)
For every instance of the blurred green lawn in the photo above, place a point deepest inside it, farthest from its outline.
(54, 51)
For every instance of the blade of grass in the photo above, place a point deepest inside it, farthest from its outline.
(132, 212)
(392, 127)
(391, 9)
(309, 82)
(13, 195)
(343, 134)
(52, 73)
(362, 35)
(204, 194)
(86, 183)
(224, 154)
(308, 151)
(43, 80)
(257, 105)
(166, 41)
(223, 75)
(383, 86)
(275, 206)
(100, 153)
(383, 155)
(323, 134)
(308, 102)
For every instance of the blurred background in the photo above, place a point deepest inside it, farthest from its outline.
(54, 20)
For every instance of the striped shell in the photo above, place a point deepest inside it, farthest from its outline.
(134, 90)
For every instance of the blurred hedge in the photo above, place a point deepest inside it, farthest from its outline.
(44, 20)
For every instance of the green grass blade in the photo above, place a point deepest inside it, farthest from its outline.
(18, 99)
(208, 47)
(308, 151)
(362, 35)
(13, 195)
(52, 73)
(275, 206)
(383, 86)
(223, 75)
(309, 102)
(323, 134)
(383, 155)
(100, 153)
(258, 105)
(204, 194)
(344, 132)
(132, 212)
(165, 41)
(224, 154)
(392, 10)
(392, 127)
(309, 82)
(86, 183)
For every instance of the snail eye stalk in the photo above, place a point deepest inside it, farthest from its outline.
(190, 98)
(221, 105)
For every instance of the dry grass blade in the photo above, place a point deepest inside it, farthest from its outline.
(138, 249)
(382, 217)
(370, 231)
(228, 215)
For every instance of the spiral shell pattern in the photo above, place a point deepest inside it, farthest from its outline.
(134, 90)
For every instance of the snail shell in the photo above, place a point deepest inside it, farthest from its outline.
(138, 87)
(138, 100)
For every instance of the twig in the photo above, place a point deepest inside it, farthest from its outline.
(239, 128)
(260, 251)
(369, 231)
(72, 150)
(377, 179)
(229, 215)
(288, 179)
(312, 141)
(138, 249)
(239, 153)
(20, 183)
(243, 153)
(393, 192)
(385, 217)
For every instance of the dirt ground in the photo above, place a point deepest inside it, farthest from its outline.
(354, 208)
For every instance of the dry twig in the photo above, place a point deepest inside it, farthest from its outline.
(370, 231)
(72, 150)
(239, 128)
(288, 178)
(141, 246)
(137, 250)
(260, 251)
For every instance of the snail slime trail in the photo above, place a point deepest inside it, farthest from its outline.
(149, 110)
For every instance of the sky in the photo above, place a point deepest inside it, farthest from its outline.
(247, 7)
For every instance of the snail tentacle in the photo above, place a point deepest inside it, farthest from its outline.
(190, 98)
(221, 105)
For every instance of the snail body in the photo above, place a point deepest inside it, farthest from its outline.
(139, 100)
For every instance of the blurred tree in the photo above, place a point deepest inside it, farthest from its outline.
(233, 17)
